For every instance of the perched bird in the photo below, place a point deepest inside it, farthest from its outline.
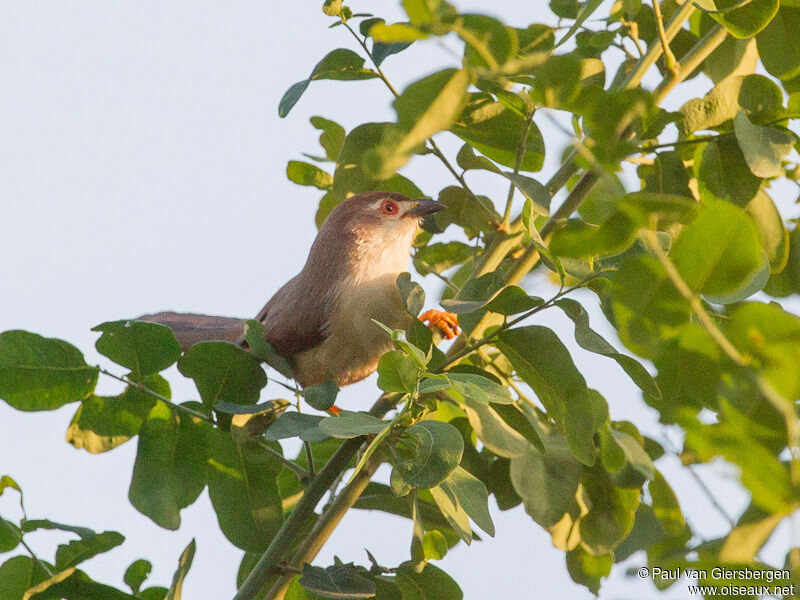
(321, 320)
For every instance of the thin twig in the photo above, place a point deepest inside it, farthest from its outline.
(433, 147)
(300, 471)
(309, 458)
(522, 146)
(18, 534)
(669, 57)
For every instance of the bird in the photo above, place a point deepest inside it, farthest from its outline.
(322, 320)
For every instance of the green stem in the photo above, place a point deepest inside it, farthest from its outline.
(691, 61)
(521, 147)
(18, 534)
(669, 57)
(324, 527)
(270, 561)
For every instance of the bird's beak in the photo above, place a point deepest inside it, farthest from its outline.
(426, 206)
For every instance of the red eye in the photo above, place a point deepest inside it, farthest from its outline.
(388, 207)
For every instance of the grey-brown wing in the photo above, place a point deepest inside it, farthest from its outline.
(294, 319)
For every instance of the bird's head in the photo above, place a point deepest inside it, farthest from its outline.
(377, 227)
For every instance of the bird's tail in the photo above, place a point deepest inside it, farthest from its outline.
(191, 329)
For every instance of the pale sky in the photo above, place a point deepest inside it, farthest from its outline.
(142, 167)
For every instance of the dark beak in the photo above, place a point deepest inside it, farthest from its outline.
(426, 206)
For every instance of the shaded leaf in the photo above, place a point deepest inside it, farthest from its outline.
(340, 581)
(243, 490)
(169, 472)
(436, 449)
(339, 64)
(144, 348)
(764, 148)
(590, 340)
(223, 372)
(38, 373)
(719, 251)
(352, 424)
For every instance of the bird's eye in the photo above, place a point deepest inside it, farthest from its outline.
(388, 207)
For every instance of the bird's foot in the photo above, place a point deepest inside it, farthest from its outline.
(446, 322)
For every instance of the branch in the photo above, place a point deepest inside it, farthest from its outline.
(270, 561)
(324, 527)
(18, 534)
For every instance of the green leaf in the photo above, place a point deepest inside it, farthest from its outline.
(77, 551)
(434, 545)
(184, 564)
(437, 448)
(534, 192)
(480, 388)
(722, 172)
(751, 532)
(746, 20)
(436, 258)
(756, 95)
(144, 348)
(777, 43)
(136, 574)
(223, 372)
(102, 423)
(411, 294)
(254, 335)
(243, 490)
(471, 494)
(719, 251)
(545, 364)
(590, 340)
(453, 512)
(495, 131)
(9, 536)
(169, 472)
(398, 372)
(303, 173)
(509, 300)
(424, 108)
(321, 396)
(771, 335)
(774, 235)
(635, 211)
(395, 33)
(38, 373)
(766, 478)
(547, 483)
(585, 12)
(340, 64)
(34, 524)
(352, 424)
(295, 424)
(18, 574)
(646, 305)
(431, 584)
(587, 569)
(497, 435)
(634, 454)
(340, 581)
(72, 584)
(764, 148)
(611, 513)
(332, 137)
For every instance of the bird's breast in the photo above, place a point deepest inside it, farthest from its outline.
(354, 343)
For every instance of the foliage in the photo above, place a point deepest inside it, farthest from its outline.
(685, 266)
